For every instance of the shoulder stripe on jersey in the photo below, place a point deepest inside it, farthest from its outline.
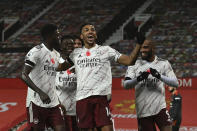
(127, 78)
(30, 63)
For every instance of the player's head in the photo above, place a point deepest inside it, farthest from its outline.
(88, 34)
(147, 50)
(50, 34)
(78, 42)
(67, 45)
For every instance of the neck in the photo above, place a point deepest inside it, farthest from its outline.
(48, 45)
(151, 59)
(88, 46)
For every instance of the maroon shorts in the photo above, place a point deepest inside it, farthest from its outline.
(71, 123)
(40, 117)
(93, 112)
(148, 123)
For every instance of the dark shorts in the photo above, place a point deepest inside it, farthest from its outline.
(71, 123)
(93, 112)
(148, 123)
(39, 117)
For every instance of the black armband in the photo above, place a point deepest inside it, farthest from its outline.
(30, 63)
(127, 78)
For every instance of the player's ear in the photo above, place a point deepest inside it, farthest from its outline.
(96, 36)
(153, 50)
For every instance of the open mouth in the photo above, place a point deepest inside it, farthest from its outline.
(143, 53)
(90, 37)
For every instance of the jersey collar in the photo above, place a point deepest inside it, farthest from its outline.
(96, 46)
(45, 47)
(156, 59)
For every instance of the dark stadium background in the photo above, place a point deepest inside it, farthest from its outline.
(172, 24)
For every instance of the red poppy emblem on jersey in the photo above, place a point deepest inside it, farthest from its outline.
(52, 60)
(88, 53)
(68, 72)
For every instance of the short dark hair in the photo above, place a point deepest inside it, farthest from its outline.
(47, 30)
(84, 24)
(67, 37)
(76, 37)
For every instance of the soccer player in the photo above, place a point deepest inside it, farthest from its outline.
(66, 85)
(94, 79)
(175, 108)
(78, 41)
(148, 76)
(39, 74)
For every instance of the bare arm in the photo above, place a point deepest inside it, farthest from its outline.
(131, 59)
(25, 77)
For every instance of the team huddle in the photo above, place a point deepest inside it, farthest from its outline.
(69, 82)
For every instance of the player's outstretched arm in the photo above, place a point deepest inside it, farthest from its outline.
(25, 77)
(167, 80)
(131, 59)
(130, 83)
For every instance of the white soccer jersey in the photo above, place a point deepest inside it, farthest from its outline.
(44, 63)
(30, 94)
(93, 70)
(150, 93)
(66, 86)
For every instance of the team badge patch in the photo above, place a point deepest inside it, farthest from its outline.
(52, 60)
(88, 53)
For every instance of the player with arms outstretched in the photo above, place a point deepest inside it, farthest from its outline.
(94, 79)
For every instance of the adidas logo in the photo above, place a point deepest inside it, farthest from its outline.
(47, 61)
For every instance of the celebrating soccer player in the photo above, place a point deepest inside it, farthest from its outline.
(39, 74)
(66, 83)
(94, 79)
(148, 76)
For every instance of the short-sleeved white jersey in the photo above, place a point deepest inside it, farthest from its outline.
(44, 63)
(93, 70)
(66, 86)
(150, 93)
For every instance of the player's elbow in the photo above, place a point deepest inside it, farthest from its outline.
(23, 76)
(177, 84)
(126, 85)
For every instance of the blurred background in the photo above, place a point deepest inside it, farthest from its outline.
(172, 24)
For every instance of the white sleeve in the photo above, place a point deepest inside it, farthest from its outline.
(169, 77)
(113, 54)
(131, 76)
(74, 53)
(32, 57)
(131, 72)
(61, 60)
(127, 84)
